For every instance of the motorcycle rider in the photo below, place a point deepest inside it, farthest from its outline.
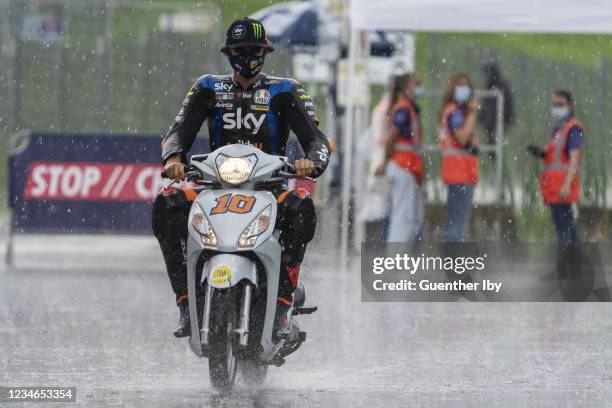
(247, 107)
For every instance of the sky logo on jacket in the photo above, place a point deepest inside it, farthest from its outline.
(222, 87)
(235, 120)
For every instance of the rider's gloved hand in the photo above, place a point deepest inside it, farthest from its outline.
(175, 168)
(304, 167)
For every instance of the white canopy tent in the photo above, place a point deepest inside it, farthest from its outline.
(531, 16)
(498, 16)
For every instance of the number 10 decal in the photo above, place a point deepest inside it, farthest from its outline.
(236, 203)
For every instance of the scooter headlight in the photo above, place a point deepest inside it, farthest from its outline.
(257, 227)
(235, 170)
(203, 227)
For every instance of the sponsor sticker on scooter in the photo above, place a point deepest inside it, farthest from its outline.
(221, 274)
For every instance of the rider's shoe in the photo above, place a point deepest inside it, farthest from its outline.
(282, 328)
(184, 325)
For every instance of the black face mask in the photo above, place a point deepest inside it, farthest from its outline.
(247, 65)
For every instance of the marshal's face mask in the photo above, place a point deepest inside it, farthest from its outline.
(247, 65)
(462, 93)
(419, 91)
(559, 112)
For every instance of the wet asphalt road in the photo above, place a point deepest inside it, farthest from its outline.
(97, 313)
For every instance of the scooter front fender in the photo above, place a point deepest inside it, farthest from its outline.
(221, 271)
(226, 270)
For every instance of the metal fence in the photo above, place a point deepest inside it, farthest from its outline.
(107, 66)
(115, 66)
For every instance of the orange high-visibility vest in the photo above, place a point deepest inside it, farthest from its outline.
(407, 151)
(458, 165)
(556, 165)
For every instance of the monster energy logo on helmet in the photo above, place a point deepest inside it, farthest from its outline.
(256, 30)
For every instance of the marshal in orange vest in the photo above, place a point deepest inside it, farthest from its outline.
(556, 165)
(458, 165)
(407, 151)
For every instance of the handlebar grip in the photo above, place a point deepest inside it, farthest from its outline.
(294, 176)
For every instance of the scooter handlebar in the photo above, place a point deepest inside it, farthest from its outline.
(292, 175)
(192, 175)
(289, 173)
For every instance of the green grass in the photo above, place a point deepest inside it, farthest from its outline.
(579, 49)
(230, 10)
(535, 226)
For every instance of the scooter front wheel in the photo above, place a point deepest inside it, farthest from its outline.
(253, 371)
(222, 360)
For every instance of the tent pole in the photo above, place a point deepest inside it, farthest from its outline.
(499, 147)
(8, 255)
(347, 151)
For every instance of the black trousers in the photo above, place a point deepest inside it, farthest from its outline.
(296, 220)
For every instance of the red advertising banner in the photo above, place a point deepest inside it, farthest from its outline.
(87, 181)
(74, 182)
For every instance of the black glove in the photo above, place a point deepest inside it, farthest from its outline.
(537, 151)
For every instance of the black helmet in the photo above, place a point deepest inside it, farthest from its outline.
(246, 32)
